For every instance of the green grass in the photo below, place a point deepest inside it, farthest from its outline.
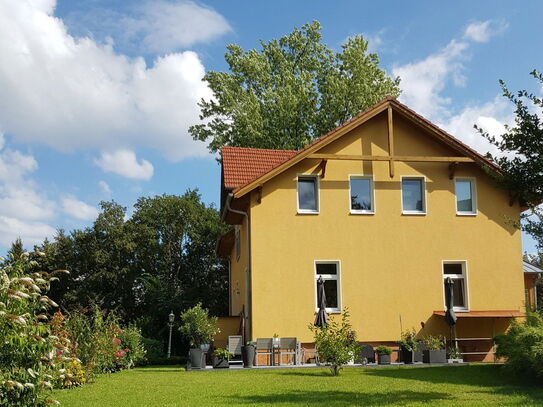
(477, 385)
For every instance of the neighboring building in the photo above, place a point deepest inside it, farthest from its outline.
(533, 294)
(384, 208)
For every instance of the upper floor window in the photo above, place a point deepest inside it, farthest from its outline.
(308, 194)
(465, 196)
(413, 196)
(329, 272)
(456, 270)
(361, 191)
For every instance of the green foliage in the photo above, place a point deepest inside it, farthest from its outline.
(383, 350)
(409, 340)
(291, 91)
(222, 353)
(160, 259)
(336, 342)
(154, 351)
(197, 326)
(522, 345)
(434, 342)
(28, 346)
(132, 345)
(455, 353)
(521, 155)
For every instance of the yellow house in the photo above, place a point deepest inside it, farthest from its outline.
(384, 208)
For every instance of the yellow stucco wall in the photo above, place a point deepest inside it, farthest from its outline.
(391, 264)
(237, 273)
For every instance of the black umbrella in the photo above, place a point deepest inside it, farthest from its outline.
(450, 316)
(322, 317)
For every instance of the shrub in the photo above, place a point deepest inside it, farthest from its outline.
(522, 345)
(154, 351)
(197, 326)
(383, 350)
(27, 349)
(222, 353)
(436, 342)
(132, 346)
(409, 341)
(336, 342)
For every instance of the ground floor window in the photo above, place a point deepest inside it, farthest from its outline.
(456, 270)
(329, 271)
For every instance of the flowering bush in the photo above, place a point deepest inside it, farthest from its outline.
(132, 347)
(27, 353)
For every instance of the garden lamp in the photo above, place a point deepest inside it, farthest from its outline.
(171, 317)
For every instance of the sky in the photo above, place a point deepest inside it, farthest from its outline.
(96, 96)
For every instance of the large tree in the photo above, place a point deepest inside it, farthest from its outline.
(521, 156)
(291, 91)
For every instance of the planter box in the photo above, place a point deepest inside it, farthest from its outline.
(220, 363)
(408, 356)
(455, 361)
(383, 359)
(248, 355)
(435, 356)
(196, 358)
(417, 356)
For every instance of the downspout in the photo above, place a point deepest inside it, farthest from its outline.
(228, 208)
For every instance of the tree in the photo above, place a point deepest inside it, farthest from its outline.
(292, 91)
(521, 156)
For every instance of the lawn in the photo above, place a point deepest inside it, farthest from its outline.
(477, 385)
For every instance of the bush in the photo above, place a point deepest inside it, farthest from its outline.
(27, 350)
(409, 341)
(383, 350)
(154, 351)
(434, 342)
(132, 346)
(197, 326)
(522, 345)
(336, 343)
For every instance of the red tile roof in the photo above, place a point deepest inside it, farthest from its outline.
(242, 165)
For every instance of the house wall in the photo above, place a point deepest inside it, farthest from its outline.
(237, 273)
(391, 264)
(529, 289)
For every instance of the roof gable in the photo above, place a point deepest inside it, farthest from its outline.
(244, 178)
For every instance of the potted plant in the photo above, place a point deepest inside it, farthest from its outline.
(220, 358)
(454, 356)
(199, 329)
(383, 354)
(410, 347)
(248, 354)
(434, 350)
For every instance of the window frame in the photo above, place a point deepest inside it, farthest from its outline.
(463, 276)
(424, 197)
(325, 277)
(317, 194)
(473, 182)
(372, 195)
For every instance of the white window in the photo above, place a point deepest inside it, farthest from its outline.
(238, 243)
(456, 270)
(361, 194)
(329, 271)
(466, 202)
(308, 194)
(413, 196)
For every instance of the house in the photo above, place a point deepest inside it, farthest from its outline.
(532, 291)
(383, 208)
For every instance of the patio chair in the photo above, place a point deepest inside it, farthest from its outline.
(367, 352)
(287, 346)
(234, 347)
(264, 346)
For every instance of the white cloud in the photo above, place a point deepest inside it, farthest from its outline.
(78, 209)
(125, 163)
(165, 25)
(30, 232)
(104, 186)
(73, 93)
(482, 31)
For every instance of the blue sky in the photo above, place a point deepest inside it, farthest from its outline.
(97, 95)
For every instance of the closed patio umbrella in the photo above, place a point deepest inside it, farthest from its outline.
(322, 317)
(450, 316)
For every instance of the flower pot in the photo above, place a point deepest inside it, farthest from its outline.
(451, 361)
(383, 359)
(248, 355)
(196, 358)
(435, 356)
(220, 363)
(417, 356)
(408, 356)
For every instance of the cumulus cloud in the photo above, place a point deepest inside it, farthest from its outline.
(74, 93)
(126, 164)
(78, 209)
(482, 31)
(424, 84)
(30, 232)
